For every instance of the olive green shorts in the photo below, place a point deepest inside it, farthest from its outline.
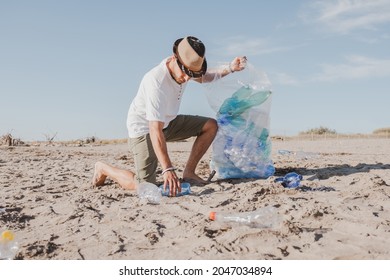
(145, 159)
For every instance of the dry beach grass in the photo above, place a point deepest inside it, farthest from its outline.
(342, 210)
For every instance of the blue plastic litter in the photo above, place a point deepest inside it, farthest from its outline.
(291, 180)
(185, 189)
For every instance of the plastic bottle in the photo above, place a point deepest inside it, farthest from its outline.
(8, 245)
(300, 155)
(185, 189)
(306, 155)
(243, 99)
(150, 192)
(266, 217)
(285, 152)
(290, 180)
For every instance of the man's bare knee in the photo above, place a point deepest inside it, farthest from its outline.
(211, 126)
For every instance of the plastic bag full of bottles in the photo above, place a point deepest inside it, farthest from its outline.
(242, 147)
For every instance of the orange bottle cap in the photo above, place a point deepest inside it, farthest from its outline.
(7, 235)
(212, 216)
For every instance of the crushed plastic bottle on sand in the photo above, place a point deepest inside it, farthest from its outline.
(150, 192)
(266, 217)
(185, 189)
(300, 155)
(8, 245)
(285, 152)
(291, 180)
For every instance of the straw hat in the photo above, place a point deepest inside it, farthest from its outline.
(190, 54)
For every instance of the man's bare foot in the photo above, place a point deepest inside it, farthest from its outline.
(98, 176)
(194, 179)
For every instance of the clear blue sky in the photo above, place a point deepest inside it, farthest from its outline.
(73, 67)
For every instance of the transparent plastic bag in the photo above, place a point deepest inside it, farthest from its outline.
(242, 103)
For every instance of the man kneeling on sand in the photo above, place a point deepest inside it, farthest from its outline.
(152, 119)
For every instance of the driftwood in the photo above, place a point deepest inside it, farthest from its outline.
(50, 138)
(8, 140)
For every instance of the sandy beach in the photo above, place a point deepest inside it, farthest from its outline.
(341, 210)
